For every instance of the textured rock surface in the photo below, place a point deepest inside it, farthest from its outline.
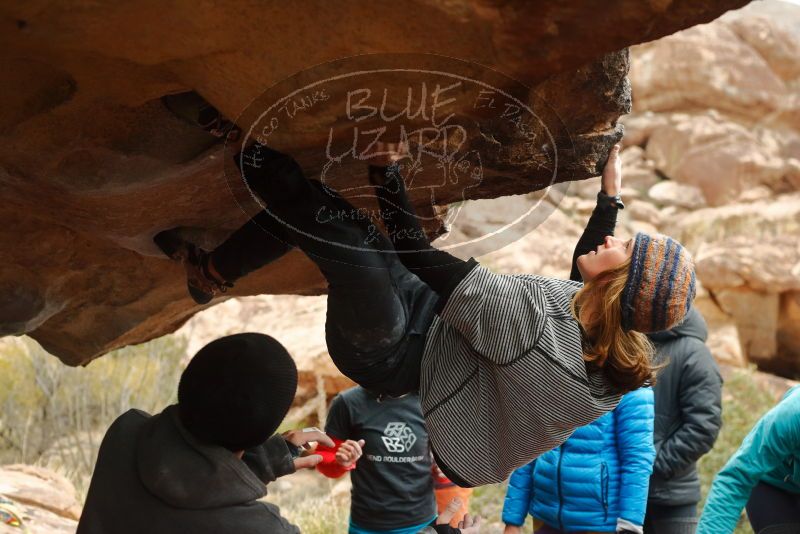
(40, 521)
(716, 107)
(751, 59)
(669, 193)
(40, 487)
(788, 338)
(721, 157)
(47, 501)
(748, 257)
(92, 165)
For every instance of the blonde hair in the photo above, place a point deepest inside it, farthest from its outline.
(624, 356)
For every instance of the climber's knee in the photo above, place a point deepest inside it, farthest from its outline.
(367, 319)
(377, 336)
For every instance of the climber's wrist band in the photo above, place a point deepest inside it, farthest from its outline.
(605, 200)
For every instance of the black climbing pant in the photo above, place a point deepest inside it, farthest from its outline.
(772, 510)
(662, 519)
(440, 270)
(260, 241)
(378, 311)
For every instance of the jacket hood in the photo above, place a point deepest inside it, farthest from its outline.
(693, 325)
(185, 473)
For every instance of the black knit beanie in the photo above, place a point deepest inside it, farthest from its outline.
(237, 390)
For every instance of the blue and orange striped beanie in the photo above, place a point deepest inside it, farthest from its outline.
(661, 284)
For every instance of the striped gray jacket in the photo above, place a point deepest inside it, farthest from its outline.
(503, 378)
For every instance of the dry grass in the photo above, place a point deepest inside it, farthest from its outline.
(56, 416)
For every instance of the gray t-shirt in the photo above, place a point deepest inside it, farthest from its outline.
(392, 482)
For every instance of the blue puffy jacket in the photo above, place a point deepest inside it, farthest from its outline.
(599, 475)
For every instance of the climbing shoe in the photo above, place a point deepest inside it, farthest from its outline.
(194, 109)
(201, 283)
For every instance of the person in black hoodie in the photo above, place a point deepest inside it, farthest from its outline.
(201, 466)
(688, 405)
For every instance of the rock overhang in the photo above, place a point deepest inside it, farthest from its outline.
(92, 165)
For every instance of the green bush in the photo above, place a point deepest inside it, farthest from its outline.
(56, 416)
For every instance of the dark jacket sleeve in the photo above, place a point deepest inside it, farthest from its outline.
(270, 460)
(602, 223)
(277, 524)
(700, 400)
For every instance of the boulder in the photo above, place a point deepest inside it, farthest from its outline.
(92, 164)
(793, 171)
(772, 265)
(586, 189)
(748, 258)
(756, 316)
(723, 335)
(787, 358)
(668, 193)
(744, 65)
(717, 106)
(759, 192)
(640, 210)
(717, 155)
(760, 221)
(772, 31)
(46, 500)
(725, 343)
(641, 124)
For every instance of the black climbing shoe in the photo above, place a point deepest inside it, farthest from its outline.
(202, 285)
(217, 125)
(194, 109)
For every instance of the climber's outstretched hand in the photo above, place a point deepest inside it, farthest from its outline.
(612, 173)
